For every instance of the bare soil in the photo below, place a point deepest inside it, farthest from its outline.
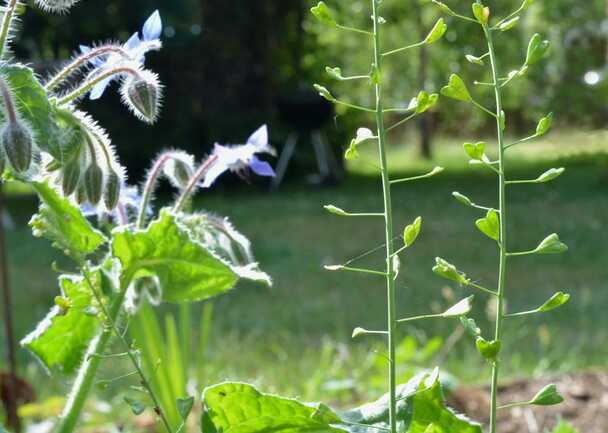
(585, 406)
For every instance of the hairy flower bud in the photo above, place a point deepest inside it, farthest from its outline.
(70, 176)
(179, 169)
(111, 193)
(142, 94)
(17, 143)
(2, 161)
(55, 5)
(93, 183)
(81, 194)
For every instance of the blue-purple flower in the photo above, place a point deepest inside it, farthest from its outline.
(241, 159)
(136, 47)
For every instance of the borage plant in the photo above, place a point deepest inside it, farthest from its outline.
(417, 406)
(129, 253)
(495, 222)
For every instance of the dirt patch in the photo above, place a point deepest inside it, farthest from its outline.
(586, 405)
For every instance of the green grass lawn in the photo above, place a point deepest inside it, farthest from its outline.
(295, 337)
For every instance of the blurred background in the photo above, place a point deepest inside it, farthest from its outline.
(228, 67)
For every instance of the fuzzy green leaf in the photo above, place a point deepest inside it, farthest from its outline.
(548, 396)
(544, 124)
(475, 150)
(62, 337)
(456, 89)
(241, 408)
(187, 271)
(411, 232)
(425, 102)
(63, 223)
(490, 225)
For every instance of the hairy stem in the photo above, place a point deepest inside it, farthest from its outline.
(503, 227)
(7, 21)
(90, 83)
(388, 216)
(149, 188)
(193, 182)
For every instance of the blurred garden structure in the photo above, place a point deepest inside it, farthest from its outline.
(229, 67)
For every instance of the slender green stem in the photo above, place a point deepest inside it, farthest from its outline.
(484, 109)
(388, 215)
(523, 140)
(431, 173)
(399, 50)
(503, 227)
(354, 106)
(361, 270)
(7, 20)
(511, 405)
(422, 317)
(401, 122)
(130, 353)
(355, 30)
(483, 289)
(88, 370)
(522, 253)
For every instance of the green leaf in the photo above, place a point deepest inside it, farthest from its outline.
(184, 406)
(335, 73)
(63, 223)
(186, 269)
(509, 24)
(425, 102)
(548, 396)
(241, 408)
(488, 349)
(481, 13)
(351, 153)
(335, 210)
(551, 245)
(447, 270)
(420, 404)
(323, 14)
(564, 427)
(462, 198)
(475, 150)
(470, 326)
(444, 8)
(137, 407)
(474, 60)
(411, 232)
(456, 89)
(550, 174)
(61, 339)
(556, 301)
(544, 125)
(537, 48)
(462, 308)
(437, 32)
(490, 225)
(324, 93)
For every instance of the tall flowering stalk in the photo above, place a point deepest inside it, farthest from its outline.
(417, 106)
(495, 223)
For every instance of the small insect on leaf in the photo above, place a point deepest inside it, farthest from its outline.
(448, 271)
(475, 150)
(556, 301)
(323, 14)
(550, 174)
(551, 245)
(436, 32)
(137, 407)
(462, 308)
(548, 396)
(456, 89)
(184, 406)
(490, 225)
(488, 349)
(537, 48)
(544, 125)
(411, 232)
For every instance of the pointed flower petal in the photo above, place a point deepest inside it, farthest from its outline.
(261, 168)
(152, 27)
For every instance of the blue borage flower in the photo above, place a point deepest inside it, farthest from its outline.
(136, 47)
(241, 158)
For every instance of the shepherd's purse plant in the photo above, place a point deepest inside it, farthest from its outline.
(495, 223)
